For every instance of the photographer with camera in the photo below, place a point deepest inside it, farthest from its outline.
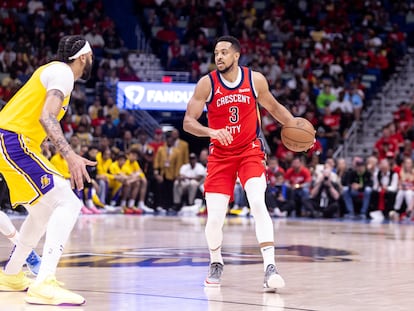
(324, 195)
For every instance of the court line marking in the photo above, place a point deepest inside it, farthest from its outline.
(194, 299)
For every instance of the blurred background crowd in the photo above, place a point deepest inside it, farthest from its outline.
(316, 56)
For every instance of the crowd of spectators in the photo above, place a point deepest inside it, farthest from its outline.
(314, 55)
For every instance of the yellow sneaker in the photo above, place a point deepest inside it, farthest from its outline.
(50, 292)
(14, 282)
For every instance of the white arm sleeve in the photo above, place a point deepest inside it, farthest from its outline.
(58, 76)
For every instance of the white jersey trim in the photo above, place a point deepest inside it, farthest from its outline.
(58, 76)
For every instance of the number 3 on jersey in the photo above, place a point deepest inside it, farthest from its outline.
(234, 114)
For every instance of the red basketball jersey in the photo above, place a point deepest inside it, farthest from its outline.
(234, 109)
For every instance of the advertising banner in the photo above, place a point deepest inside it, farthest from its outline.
(154, 96)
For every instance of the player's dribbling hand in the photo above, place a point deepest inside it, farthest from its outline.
(77, 167)
(223, 136)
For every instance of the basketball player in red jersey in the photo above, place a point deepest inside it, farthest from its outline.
(232, 94)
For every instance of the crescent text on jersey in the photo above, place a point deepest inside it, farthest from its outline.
(233, 98)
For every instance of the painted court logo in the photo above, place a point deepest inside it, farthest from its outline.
(163, 257)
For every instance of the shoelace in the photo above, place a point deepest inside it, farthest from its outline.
(271, 269)
(215, 270)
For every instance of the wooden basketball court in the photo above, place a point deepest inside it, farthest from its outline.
(120, 262)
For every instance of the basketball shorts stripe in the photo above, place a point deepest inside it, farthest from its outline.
(28, 174)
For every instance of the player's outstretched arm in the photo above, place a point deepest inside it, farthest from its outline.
(49, 121)
(195, 108)
(267, 100)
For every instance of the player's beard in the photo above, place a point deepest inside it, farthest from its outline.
(226, 69)
(87, 70)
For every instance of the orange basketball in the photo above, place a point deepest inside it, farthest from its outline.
(298, 134)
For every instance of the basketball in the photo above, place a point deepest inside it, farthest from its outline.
(298, 134)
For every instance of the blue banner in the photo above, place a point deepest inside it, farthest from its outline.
(154, 96)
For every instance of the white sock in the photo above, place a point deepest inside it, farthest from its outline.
(7, 228)
(215, 255)
(131, 203)
(217, 208)
(141, 203)
(268, 253)
(89, 203)
(123, 203)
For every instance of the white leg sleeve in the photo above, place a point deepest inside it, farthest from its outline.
(216, 213)
(59, 227)
(255, 190)
(56, 213)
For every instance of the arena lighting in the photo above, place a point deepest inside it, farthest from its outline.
(154, 96)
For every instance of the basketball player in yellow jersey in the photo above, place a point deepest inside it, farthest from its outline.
(31, 116)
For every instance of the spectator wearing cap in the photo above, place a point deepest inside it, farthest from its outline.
(188, 181)
(357, 186)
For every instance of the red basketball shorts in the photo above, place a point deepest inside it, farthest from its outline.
(224, 166)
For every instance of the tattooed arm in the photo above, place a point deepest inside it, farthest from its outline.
(49, 121)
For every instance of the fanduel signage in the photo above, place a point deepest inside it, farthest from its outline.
(154, 96)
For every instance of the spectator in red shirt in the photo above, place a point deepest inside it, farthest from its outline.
(284, 155)
(175, 54)
(315, 151)
(396, 134)
(126, 73)
(404, 116)
(273, 167)
(385, 143)
(299, 177)
(157, 141)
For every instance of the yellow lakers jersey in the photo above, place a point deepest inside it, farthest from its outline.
(130, 168)
(22, 113)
